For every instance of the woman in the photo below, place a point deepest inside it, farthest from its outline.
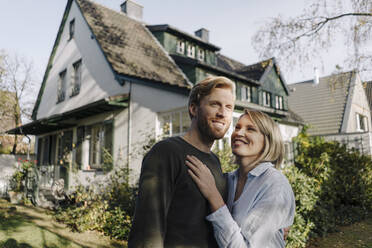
(260, 200)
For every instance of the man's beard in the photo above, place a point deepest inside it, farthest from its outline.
(205, 130)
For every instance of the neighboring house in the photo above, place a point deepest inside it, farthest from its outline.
(113, 85)
(336, 108)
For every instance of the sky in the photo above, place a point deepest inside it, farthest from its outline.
(29, 28)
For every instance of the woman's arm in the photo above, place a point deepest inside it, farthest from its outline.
(258, 225)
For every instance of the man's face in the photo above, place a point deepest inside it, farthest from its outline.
(214, 113)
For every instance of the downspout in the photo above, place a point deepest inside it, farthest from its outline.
(129, 137)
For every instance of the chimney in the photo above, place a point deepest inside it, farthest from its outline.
(203, 34)
(132, 9)
(316, 76)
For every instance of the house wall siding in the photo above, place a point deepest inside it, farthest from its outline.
(273, 84)
(359, 105)
(98, 80)
(146, 103)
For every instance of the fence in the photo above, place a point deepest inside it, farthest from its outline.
(8, 164)
(359, 141)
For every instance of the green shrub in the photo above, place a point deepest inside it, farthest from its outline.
(226, 157)
(107, 208)
(332, 186)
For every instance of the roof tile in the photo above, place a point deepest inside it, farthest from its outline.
(129, 47)
(321, 106)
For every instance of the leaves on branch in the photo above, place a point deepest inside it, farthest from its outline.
(323, 24)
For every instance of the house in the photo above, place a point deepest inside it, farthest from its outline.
(336, 108)
(114, 84)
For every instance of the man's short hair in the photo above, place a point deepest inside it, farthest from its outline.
(205, 87)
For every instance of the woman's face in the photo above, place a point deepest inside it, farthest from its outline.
(247, 140)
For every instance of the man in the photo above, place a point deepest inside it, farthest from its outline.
(170, 210)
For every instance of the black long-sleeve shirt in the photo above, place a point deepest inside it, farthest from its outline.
(170, 210)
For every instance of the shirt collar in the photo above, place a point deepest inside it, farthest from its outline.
(261, 168)
(257, 171)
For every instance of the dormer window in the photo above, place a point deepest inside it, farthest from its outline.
(278, 102)
(266, 98)
(190, 51)
(72, 28)
(361, 122)
(201, 55)
(245, 93)
(61, 87)
(180, 47)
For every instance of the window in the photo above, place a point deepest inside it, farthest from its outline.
(100, 143)
(180, 47)
(190, 51)
(245, 93)
(61, 87)
(76, 82)
(279, 102)
(45, 150)
(80, 135)
(266, 98)
(361, 122)
(174, 123)
(201, 55)
(72, 28)
(64, 147)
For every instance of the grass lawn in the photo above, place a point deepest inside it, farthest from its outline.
(353, 236)
(22, 226)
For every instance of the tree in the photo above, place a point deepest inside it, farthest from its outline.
(17, 87)
(300, 39)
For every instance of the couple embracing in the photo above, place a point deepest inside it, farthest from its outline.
(185, 200)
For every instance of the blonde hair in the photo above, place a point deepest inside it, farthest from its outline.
(273, 150)
(205, 87)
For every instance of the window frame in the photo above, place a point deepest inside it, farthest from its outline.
(201, 55)
(190, 51)
(96, 135)
(266, 98)
(71, 29)
(279, 102)
(184, 123)
(76, 82)
(362, 123)
(180, 47)
(61, 89)
(246, 93)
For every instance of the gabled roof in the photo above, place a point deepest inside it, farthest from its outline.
(228, 63)
(322, 106)
(255, 71)
(129, 47)
(195, 62)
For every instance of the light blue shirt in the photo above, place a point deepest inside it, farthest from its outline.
(257, 218)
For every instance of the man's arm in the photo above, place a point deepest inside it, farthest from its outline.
(155, 193)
